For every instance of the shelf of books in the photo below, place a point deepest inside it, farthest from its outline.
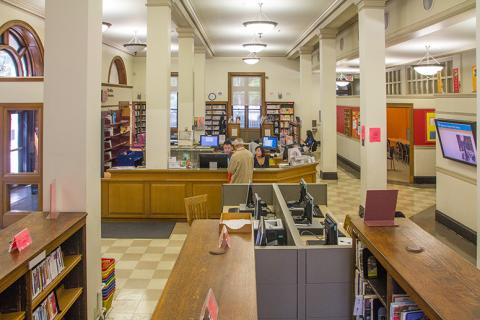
(215, 113)
(139, 124)
(47, 281)
(116, 134)
(282, 116)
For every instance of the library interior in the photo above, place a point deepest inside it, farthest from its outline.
(240, 159)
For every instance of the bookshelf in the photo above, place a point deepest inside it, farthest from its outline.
(282, 116)
(139, 123)
(65, 288)
(386, 275)
(115, 134)
(214, 110)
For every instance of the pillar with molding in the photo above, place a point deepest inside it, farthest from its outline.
(478, 134)
(328, 103)
(304, 107)
(373, 100)
(71, 117)
(186, 57)
(159, 16)
(199, 85)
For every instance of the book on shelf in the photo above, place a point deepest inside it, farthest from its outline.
(48, 309)
(45, 272)
(397, 309)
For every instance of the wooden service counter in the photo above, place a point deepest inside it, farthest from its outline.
(143, 193)
(231, 277)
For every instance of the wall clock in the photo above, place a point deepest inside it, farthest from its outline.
(212, 96)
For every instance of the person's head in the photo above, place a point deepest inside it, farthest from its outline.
(238, 143)
(259, 152)
(309, 134)
(227, 147)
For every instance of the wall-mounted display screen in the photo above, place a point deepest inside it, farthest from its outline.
(458, 140)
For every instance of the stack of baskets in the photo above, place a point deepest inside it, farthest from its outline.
(108, 280)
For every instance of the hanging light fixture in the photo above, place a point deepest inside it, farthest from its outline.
(428, 65)
(106, 26)
(254, 47)
(251, 59)
(262, 24)
(342, 81)
(135, 45)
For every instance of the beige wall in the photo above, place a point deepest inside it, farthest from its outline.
(9, 12)
(108, 53)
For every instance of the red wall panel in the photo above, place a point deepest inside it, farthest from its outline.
(420, 127)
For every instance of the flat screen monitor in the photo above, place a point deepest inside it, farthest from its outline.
(331, 230)
(286, 151)
(270, 143)
(458, 140)
(308, 209)
(208, 160)
(303, 191)
(249, 199)
(209, 141)
(258, 207)
(261, 239)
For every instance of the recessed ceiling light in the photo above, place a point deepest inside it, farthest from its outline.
(106, 26)
(254, 47)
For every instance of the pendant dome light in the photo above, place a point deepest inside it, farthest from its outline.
(254, 47)
(428, 65)
(342, 81)
(262, 24)
(135, 45)
(106, 26)
(251, 59)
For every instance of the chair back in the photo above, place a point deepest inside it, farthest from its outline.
(347, 225)
(196, 208)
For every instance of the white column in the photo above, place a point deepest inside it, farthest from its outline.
(328, 104)
(159, 16)
(71, 152)
(478, 135)
(186, 51)
(199, 86)
(373, 110)
(303, 109)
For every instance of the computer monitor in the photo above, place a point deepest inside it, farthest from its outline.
(221, 160)
(209, 141)
(270, 143)
(286, 150)
(258, 207)
(261, 239)
(308, 209)
(303, 191)
(249, 199)
(331, 230)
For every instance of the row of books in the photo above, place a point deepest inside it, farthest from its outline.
(403, 308)
(46, 271)
(48, 309)
(219, 107)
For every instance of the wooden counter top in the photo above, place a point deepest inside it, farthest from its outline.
(231, 277)
(440, 281)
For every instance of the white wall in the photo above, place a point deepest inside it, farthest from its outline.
(9, 12)
(108, 53)
(456, 182)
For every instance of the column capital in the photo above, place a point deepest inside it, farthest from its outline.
(200, 50)
(361, 4)
(305, 50)
(159, 3)
(185, 33)
(327, 33)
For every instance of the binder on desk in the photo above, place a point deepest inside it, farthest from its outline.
(380, 208)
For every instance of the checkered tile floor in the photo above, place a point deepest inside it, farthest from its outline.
(143, 266)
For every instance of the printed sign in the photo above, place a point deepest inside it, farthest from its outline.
(439, 82)
(224, 241)
(20, 241)
(474, 78)
(456, 81)
(210, 307)
(431, 131)
(374, 134)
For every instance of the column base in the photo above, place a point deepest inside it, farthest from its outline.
(328, 175)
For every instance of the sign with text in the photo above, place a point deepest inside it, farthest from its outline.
(20, 241)
(474, 78)
(374, 134)
(456, 80)
(210, 307)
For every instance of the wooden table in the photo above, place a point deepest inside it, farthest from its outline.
(231, 277)
(442, 283)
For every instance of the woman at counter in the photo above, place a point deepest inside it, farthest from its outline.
(260, 160)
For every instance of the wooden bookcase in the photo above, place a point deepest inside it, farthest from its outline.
(214, 110)
(115, 134)
(68, 232)
(139, 123)
(282, 116)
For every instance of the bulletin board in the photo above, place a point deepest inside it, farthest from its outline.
(345, 120)
(424, 127)
(356, 124)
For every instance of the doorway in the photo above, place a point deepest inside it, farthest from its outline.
(400, 143)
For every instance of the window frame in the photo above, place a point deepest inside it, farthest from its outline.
(231, 75)
(121, 70)
(173, 129)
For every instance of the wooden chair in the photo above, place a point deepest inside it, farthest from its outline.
(347, 225)
(196, 208)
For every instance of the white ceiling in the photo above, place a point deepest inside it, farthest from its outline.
(222, 20)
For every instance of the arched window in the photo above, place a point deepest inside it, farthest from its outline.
(117, 74)
(21, 51)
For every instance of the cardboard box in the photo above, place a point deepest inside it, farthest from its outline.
(247, 228)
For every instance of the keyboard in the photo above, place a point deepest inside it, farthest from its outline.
(317, 213)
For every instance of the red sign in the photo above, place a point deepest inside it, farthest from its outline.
(363, 133)
(224, 239)
(456, 81)
(210, 307)
(20, 241)
(374, 134)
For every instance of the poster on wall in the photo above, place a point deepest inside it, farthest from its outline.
(456, 80)
(431, 132)
(199, 123)
(355, 124)
(474, 78)
(439, 82)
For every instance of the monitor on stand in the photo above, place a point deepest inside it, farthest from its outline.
(308, 209)
(261, 239)
(331, 230)
(303, 191)
(258, 207)
(249, 200)
(213, 160)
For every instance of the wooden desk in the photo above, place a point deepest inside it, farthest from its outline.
(158, 194)
(443, 284)
(231, 276)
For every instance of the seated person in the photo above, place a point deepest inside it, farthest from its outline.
(228, 148)
(310, 141)
(260, 160)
